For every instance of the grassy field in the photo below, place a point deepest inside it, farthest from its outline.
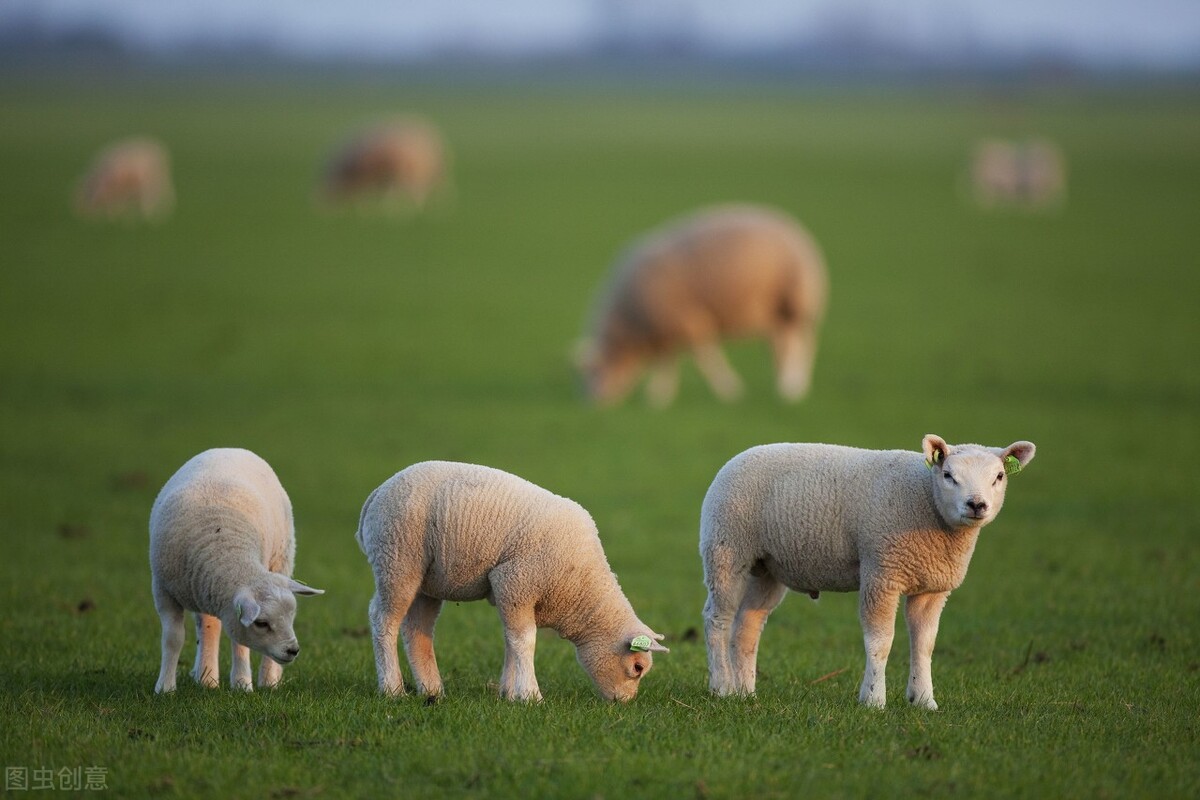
(343, 348)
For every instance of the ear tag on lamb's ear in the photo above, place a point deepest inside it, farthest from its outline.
(937, 459)
(640, 644)
(1012, 465)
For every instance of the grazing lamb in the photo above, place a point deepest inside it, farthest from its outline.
(222, 545)
(441, 531)
(723, 272)
(131, 178)
(1029, 174)
(401, 160)
(816, 517)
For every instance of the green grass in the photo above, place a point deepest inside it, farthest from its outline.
(343, 348)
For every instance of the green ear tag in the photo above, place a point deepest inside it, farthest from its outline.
(1011, 465)
(640, 644)
(237, 609)
(937, 459)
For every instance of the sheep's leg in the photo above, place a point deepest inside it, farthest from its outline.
(517, 679)
(763, 594)
(206, 669)
(173, 634)
(727, 583)
(417, 630)
(794, 350)
(877, 611)
(922, 611)
(663, 384)
(270, 673)
(387, 609)
(715, 368)
(240, 673)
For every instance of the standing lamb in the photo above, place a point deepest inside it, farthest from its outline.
(816, 517)
(131, 178)
(403, 160)
(441, 531)
(222, 545)
(727, 271)
(1029, 174)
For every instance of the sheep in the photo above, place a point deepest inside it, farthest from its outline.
(440, 530)
(1029, 174)
(817, 517)
(130, 178)
(222, 545)
(726, 271)
(404, 159)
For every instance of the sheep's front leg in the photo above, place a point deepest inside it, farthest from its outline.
(922, 612)
(877, 611)
(173, 634)
(417, 630)
(270, 673)
(715, 368)
(663, 384)
(794, 349)
(517, 678)
(206, 669)
(240, 674)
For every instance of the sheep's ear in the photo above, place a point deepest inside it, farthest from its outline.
(246, 606)
(935, 449)
(296, 587)
(1021, 452)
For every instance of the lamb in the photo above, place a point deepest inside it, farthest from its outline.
(728, 271)
(440, 530)
(222, 545)
(1029, 174)
(130, 178)
(403, 160)
(816, 517)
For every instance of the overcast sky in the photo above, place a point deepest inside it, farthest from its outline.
(1157, 32)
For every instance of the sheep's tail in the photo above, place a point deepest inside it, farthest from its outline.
(362, 519)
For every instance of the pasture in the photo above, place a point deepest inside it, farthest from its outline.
(343, 347)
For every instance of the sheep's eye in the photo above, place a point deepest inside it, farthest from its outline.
(1000, 477)
(262, 624)
(948, 476)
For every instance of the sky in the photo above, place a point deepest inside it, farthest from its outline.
(1147, 32)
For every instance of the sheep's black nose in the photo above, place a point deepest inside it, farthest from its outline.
(293, 651)
(978, 506)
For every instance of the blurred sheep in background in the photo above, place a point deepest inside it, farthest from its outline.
(397, 166)
(129, 179)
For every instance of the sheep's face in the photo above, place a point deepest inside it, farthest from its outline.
(969, 481)
(262, 618)
(617, 670)
(608, 375)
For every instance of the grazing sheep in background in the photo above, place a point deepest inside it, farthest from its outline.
(1029, 174)
(816, 517)
(222, 545)
(131, 178)
(441, 531)
(723, 272)
(403, 160)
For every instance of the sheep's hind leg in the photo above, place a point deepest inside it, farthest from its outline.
(663, 384)
(417, 631)
(206, 669)
(387, 609)
(922, 612)
(763, 594)
(794, 349)
(877, 611)
(727, 585)
(173, 634)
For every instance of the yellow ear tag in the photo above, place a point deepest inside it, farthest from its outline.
(937, 459)
(1011, 465)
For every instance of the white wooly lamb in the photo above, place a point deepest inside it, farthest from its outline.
(728, 271)
(130, 178)
(441, 531)
(222, 545)
(817, 517)
(1029, 174)
(404, 159)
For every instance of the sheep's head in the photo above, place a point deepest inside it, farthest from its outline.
(969, 480)
(261, 617)
(617, 668)
(608, 372)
